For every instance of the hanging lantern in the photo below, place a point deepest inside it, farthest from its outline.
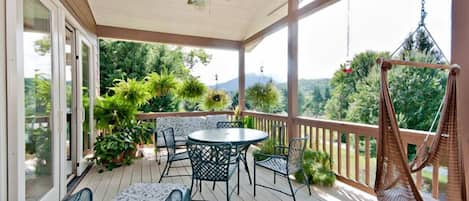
(347, 66)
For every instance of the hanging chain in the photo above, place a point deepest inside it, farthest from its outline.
(423, 14)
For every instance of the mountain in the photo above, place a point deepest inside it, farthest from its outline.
(250, 79)
(305, 85)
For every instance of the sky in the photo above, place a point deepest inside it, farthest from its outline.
(379, 25)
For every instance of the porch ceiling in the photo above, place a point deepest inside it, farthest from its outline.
(221, 19)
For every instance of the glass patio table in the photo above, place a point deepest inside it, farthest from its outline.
(235, 136)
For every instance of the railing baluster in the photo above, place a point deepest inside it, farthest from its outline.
(435, 179)
(347, 154)
(317, 138)
(367, 161)
(357, 157)
(323, 132)
(310, 137)
(339, 152)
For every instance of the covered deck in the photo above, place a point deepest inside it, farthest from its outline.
(106, 185)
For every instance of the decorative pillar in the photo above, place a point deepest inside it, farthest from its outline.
(241, 79)
(292, 68)
(459, 51)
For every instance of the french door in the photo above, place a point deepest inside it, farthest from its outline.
(77, 85)
(41, 100)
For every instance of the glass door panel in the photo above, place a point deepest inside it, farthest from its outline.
(70, 82)
(38, 100)
(85, 69)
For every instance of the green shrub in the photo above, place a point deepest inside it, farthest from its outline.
(317, 166)
(267, 147)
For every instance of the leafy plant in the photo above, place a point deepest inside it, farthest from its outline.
(192, 89)
(215, 100)
(131, 91)
(317, 166)
(110, 112)
(248, 122)
(263, 97)
(161, 84)
(267, 148)
(140, 131)
(114, 149)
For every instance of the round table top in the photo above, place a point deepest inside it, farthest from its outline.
(236, 136)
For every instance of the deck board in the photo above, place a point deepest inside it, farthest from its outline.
(107, 184)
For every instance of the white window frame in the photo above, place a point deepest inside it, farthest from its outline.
(3, 130)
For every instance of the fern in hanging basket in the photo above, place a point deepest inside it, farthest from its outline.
(192, 89)
(161, 85)
(263, 96)
(215, 100)
(131, 91)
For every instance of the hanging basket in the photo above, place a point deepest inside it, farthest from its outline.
(216, 100)
(263, 96)
(161, 85)
(192, 89)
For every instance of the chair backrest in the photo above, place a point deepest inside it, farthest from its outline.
(230, 124)
(169, 140)
(210, 162)
(296, 149)
(84, 194)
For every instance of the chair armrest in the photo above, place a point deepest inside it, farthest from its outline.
(270, 156)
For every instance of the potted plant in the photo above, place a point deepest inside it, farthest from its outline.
(263, 97)
(215, 100)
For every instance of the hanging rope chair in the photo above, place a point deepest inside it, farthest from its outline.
(394, 181)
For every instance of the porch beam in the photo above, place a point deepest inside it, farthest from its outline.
(241, 80)
(306, 10)
(81, 11)
(159, 37)
(292, 68)
(459, 49)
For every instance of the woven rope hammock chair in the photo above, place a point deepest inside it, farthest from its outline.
(394, 181)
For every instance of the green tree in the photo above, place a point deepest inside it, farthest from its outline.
(123, 60)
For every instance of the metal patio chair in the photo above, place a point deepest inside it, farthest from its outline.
(285, 165)
(243, 149)
(172, 155)
(84, 194)
(212, 162)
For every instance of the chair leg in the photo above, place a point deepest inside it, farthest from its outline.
(213, 187)
(307, 182)
(275, 176)
(238, 178)
(200, 186)
(291, 188)
(192, 184)
(169, 167)
(254, 178)
(245, 161)
(227, 191)
(164, 171)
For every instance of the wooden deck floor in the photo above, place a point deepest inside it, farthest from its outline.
(106, 185)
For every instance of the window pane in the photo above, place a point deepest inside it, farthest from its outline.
(38, 99)
(85, 60)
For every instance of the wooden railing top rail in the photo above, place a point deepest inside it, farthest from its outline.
(276, 117)
(410, 136)
(154, 115)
